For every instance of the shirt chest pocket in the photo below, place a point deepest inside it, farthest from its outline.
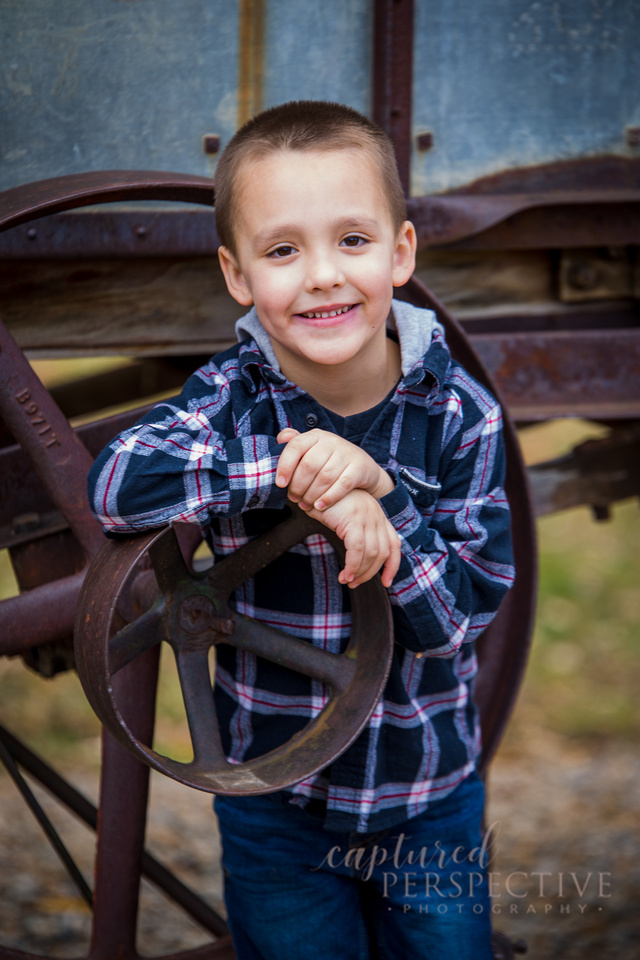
(424, 494)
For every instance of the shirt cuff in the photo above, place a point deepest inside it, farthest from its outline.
(403, 514)
(251, 464)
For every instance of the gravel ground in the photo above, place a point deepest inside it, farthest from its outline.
(566, 859)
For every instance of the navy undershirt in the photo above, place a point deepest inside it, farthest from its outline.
(355, 427)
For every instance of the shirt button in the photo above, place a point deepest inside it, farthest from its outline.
(254, 501)
(311, 420)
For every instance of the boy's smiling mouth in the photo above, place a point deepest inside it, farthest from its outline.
(329, 313)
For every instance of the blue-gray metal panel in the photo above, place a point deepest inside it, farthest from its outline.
(506, 83)
(111, 84)
(318, 51)
(107, 84)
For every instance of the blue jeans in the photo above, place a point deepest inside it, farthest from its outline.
(295, 890)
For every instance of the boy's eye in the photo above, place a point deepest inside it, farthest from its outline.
(353, 240)
(283, 251)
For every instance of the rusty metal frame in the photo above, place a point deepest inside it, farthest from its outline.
(392, 80)
(20, 756)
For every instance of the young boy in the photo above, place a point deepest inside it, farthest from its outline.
(348, 404)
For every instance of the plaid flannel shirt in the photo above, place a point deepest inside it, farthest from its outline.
(210, 457)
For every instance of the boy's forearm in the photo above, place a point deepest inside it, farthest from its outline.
(146, 479)
(449, 587)
(457, 558)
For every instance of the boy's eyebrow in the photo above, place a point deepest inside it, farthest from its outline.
(264, 238)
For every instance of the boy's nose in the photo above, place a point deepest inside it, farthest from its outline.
(323, 273)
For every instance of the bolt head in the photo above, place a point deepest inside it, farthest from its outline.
(195, 614)
(211, 143)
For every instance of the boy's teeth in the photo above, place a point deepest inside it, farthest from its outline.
(324, 315)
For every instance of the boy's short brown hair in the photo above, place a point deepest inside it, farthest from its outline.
(304, 125)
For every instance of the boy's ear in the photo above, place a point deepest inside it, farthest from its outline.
(404, 258)
(234, 278)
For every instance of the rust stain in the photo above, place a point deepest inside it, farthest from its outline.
(250, 59)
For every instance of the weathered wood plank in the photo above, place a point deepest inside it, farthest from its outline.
(156, 306)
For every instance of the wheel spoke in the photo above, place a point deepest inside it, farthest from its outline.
(197, 692)
(136, 637)
(291, 652)
(168, 562)
(228, 574)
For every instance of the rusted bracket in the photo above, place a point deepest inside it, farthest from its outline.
(597, 473)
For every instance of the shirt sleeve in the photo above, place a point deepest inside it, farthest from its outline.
(188, 459)
(457, 559)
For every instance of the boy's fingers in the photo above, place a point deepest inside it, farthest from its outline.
(295, 449)
(392, 563)
(335, 492)
(287, 434)
(314, 473)
(356, 556)
(375, 550)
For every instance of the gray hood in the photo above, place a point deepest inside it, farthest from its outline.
(415, 328)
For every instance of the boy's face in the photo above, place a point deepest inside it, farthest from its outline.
(318, 255)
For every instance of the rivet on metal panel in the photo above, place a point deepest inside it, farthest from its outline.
(141, 231)
(32, 233)
(633, 136)
(211, 143)
(424, 141)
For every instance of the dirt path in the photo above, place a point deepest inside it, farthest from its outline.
(566, 869)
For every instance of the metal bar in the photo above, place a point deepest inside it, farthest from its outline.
(392, 86)
(527, 220)
(50, 832)
(597, 473)
(593, 374)
(40, 615)
(105, 233)
(517, 221)
(122, 817)
(88, 813)
(33, 200)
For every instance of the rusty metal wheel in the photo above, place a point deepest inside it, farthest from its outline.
(44, 612)
(192, 614)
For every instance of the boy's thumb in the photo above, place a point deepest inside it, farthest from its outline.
(287, 434)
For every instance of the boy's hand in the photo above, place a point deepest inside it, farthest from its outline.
(320, 469)
(370, 540)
